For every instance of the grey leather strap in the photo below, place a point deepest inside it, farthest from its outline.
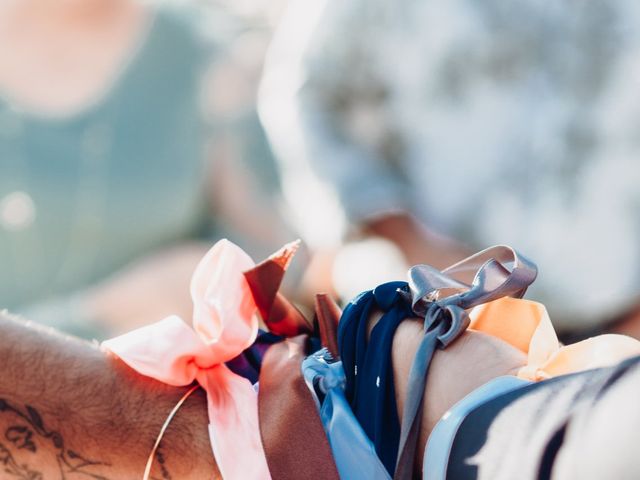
(410, 427)
(443, 298)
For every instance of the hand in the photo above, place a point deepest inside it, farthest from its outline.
(418, 243)
(630, 325)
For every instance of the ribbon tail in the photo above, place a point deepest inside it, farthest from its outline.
(328, 314)
(278, 313)
(233, 425)
(295, 442)
(595, 352)
(354, 453)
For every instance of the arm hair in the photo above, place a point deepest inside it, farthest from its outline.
(69, 408)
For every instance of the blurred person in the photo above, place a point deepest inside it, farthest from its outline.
(128, 137)
(446, 127)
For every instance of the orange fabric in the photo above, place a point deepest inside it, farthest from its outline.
(526, 326)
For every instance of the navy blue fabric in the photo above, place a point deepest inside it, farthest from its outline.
(248, 363)
(367, 365)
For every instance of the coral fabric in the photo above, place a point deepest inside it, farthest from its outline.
(526, 325)
(224, 324)
(279, 314)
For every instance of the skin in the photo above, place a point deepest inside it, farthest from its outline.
(472, 360)
(630, 325)
(71, 410)
(57, 58)
(469, 362)
(417, 243)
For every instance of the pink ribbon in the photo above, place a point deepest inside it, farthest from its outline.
(224, 324)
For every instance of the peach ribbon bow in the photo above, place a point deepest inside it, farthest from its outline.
(224, 324)
(525, 325)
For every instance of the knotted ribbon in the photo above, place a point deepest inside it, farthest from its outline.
(224, 324)
(443, 299)
(525, 325)
(491, 304)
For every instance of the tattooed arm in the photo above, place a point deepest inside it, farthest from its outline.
(70, 411)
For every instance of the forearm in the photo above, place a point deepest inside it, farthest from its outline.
(68, 407)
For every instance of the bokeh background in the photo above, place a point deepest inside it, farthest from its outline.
(135, 134)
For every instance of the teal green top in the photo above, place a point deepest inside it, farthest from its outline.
(81, 196)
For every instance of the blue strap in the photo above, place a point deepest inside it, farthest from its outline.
(438, 450)
(367, 364)
(353, 451)
(442, 298)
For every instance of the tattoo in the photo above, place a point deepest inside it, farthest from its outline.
(160, 459)
(14, 469)
(21, 437)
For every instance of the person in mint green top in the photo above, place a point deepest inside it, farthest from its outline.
(104, 172)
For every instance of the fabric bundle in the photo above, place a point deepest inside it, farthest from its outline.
(285, 402)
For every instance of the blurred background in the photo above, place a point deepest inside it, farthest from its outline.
(134, 134)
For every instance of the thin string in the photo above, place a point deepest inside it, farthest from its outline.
(147, 470)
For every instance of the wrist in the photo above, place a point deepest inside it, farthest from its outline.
(468, 363)
(143, 405)
(185, 448)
